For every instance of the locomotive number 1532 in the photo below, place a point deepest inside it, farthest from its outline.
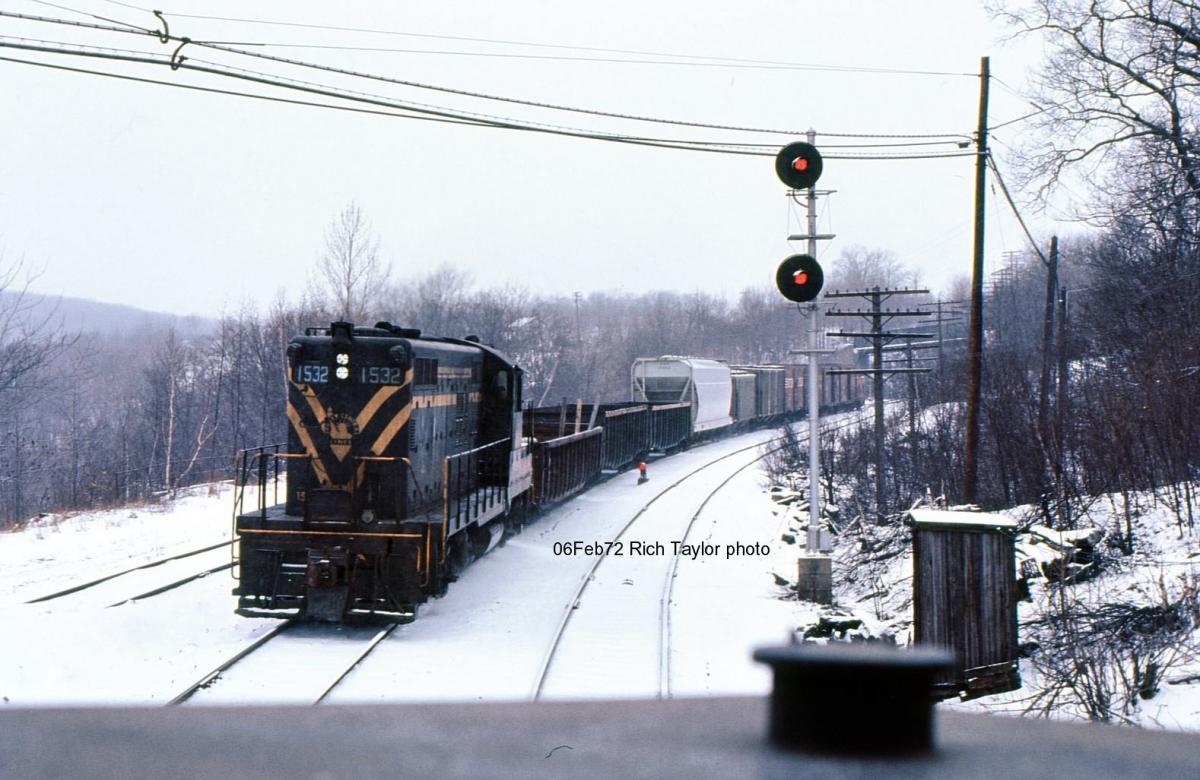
(318, 374)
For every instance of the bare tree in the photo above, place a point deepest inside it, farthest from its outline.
(30, 336)
(1120, 86)
(350, 274)
(859, 267)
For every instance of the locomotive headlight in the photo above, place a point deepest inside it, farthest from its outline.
(343, 359)
(342, 372)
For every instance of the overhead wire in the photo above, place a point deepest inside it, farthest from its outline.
(484, 118)
(469, 93)
(85, 13)
(1012, 204)
(465, 117)
(232, 93)
(712, 59)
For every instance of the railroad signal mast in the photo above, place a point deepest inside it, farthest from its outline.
(800, 279)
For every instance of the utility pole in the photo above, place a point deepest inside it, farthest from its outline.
(975, 333)
(1060, 436)
(1047, 335)
(878, 317)
(578, 327)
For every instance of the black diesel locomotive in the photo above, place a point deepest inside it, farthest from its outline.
(404, 463)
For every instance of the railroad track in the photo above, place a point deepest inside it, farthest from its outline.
(133, 570)
(294, 662)
(662, 685)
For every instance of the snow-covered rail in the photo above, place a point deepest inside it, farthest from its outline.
(620, 598)
(144, 581)
(630, 589)
(295, 663)
(125, 573)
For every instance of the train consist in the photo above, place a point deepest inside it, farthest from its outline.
(410, 456)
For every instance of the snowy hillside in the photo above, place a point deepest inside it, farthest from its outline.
(1110, 629)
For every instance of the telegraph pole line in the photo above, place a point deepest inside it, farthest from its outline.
(975, 334)
(878, 317)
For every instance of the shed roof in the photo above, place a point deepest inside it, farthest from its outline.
(957, 518)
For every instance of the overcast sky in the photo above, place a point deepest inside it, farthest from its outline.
(191, 202)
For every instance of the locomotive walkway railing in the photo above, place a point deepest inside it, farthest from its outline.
(257, 467)
(475, 484)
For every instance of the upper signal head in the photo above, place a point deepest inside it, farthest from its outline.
(798, 165)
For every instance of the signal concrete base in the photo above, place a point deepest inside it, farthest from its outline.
(814, 581)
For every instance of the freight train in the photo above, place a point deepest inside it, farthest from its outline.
(410, 456)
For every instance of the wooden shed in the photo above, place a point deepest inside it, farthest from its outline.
(964, 598)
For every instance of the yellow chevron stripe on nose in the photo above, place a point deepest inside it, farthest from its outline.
(309, 447)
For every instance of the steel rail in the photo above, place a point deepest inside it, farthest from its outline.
(664, 654)
(107, 577)
(382, 635)
(173, 585)
(211, 676)
(573, 602)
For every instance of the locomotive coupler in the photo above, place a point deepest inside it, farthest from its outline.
(327, 586)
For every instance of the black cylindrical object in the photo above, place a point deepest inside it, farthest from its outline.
(853, 699)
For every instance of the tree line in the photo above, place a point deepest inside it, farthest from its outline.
(96, 419)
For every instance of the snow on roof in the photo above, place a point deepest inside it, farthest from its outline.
(946, 517)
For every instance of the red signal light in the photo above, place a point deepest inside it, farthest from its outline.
(800, 278)
(798, 165)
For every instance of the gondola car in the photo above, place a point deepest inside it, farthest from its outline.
(404, 463)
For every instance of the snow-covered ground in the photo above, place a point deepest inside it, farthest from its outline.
(484, 641)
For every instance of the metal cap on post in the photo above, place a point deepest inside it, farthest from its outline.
(853, 699)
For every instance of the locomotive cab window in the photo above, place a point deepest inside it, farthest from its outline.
(502, 385)
(425, 371)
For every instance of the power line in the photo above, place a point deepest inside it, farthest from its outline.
(713, 59)
(1007, 196)
(501, 122)
(948, 137)
(85, 13)
(206, 66)
(898, 156)
(234, 93)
